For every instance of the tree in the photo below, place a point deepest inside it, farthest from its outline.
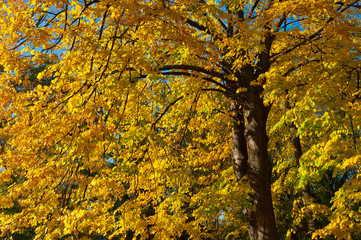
(149, 101)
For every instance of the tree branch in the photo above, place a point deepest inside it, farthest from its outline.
(314, 35)
(253, 8)
(194, 68)
(164, 112)
(198, 26)
(215, 90)
(103, 23)
(205, 78)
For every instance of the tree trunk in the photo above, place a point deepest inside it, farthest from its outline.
(239, 143)
(306, 191)
(262, 223)
(306, 194)
(261, 219)
(252, 122)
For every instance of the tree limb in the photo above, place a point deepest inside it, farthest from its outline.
(194, 68)
(164, 112)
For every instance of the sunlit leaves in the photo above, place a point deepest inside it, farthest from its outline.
(97, 140)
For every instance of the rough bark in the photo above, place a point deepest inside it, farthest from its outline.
(239, 144)
(261, 220)
(250, 157)
(249, 136)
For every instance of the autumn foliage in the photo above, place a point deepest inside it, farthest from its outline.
(184, 119)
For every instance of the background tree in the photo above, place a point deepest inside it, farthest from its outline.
(150, 100)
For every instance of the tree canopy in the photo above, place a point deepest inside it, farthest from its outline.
(191, 119)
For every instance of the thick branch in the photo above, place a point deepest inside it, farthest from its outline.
(194, 68)
(190, 74)
(198, 26)
(253, 7)
(204, 28)
(215, 90)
